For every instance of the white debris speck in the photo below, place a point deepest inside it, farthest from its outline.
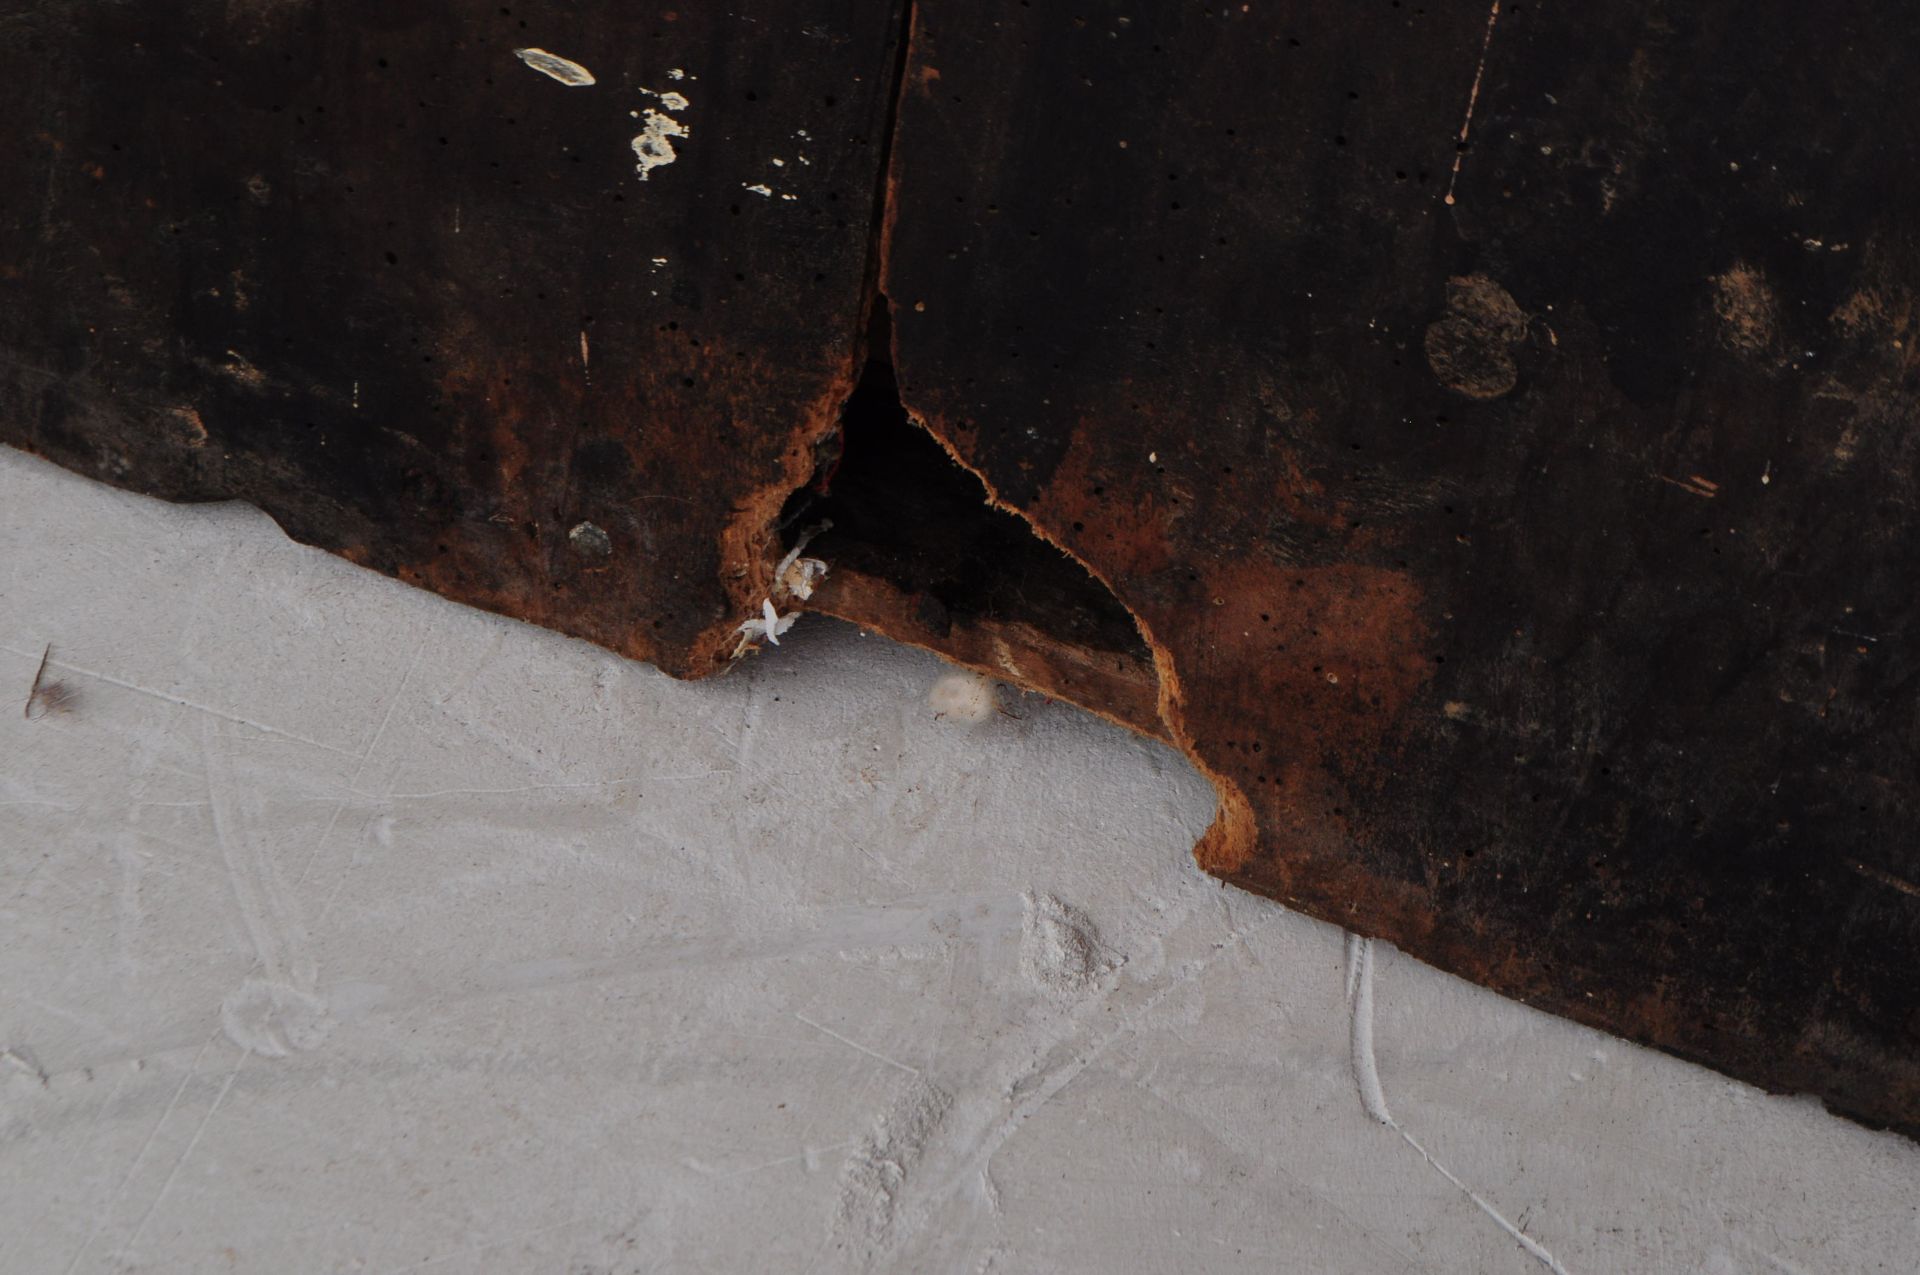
(658, 262)
(796, 576)
(673, 101)
(553, 66)
(801, 576)
(769, 624)
(778, 162)
(676, 74)
(757, 189)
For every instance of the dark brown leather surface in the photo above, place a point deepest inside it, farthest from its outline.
(1490, 432)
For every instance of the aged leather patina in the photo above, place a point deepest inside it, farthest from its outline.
(1483, 439)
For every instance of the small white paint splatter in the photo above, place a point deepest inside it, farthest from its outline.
(552, 65)
(658, 262)
(676, 74)
(778, 163)
(764, 191)
(653, 145)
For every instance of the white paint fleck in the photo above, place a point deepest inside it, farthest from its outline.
(758, 189)
(553, 66)
(778, 162)
(676, 74)
(653, 145)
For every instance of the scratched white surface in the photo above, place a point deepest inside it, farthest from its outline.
(345, 929)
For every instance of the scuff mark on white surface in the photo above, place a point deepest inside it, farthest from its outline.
(1366, 1079)
(553, 66)
(876, 1174)
(1366, 1070)
(23, 1060)
(856, 1045)
(1060, 950)
(273, 1019)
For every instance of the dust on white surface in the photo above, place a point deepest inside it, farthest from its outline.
(348, 929)
(963, 696)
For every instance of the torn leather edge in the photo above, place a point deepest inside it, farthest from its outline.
(988, 647)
